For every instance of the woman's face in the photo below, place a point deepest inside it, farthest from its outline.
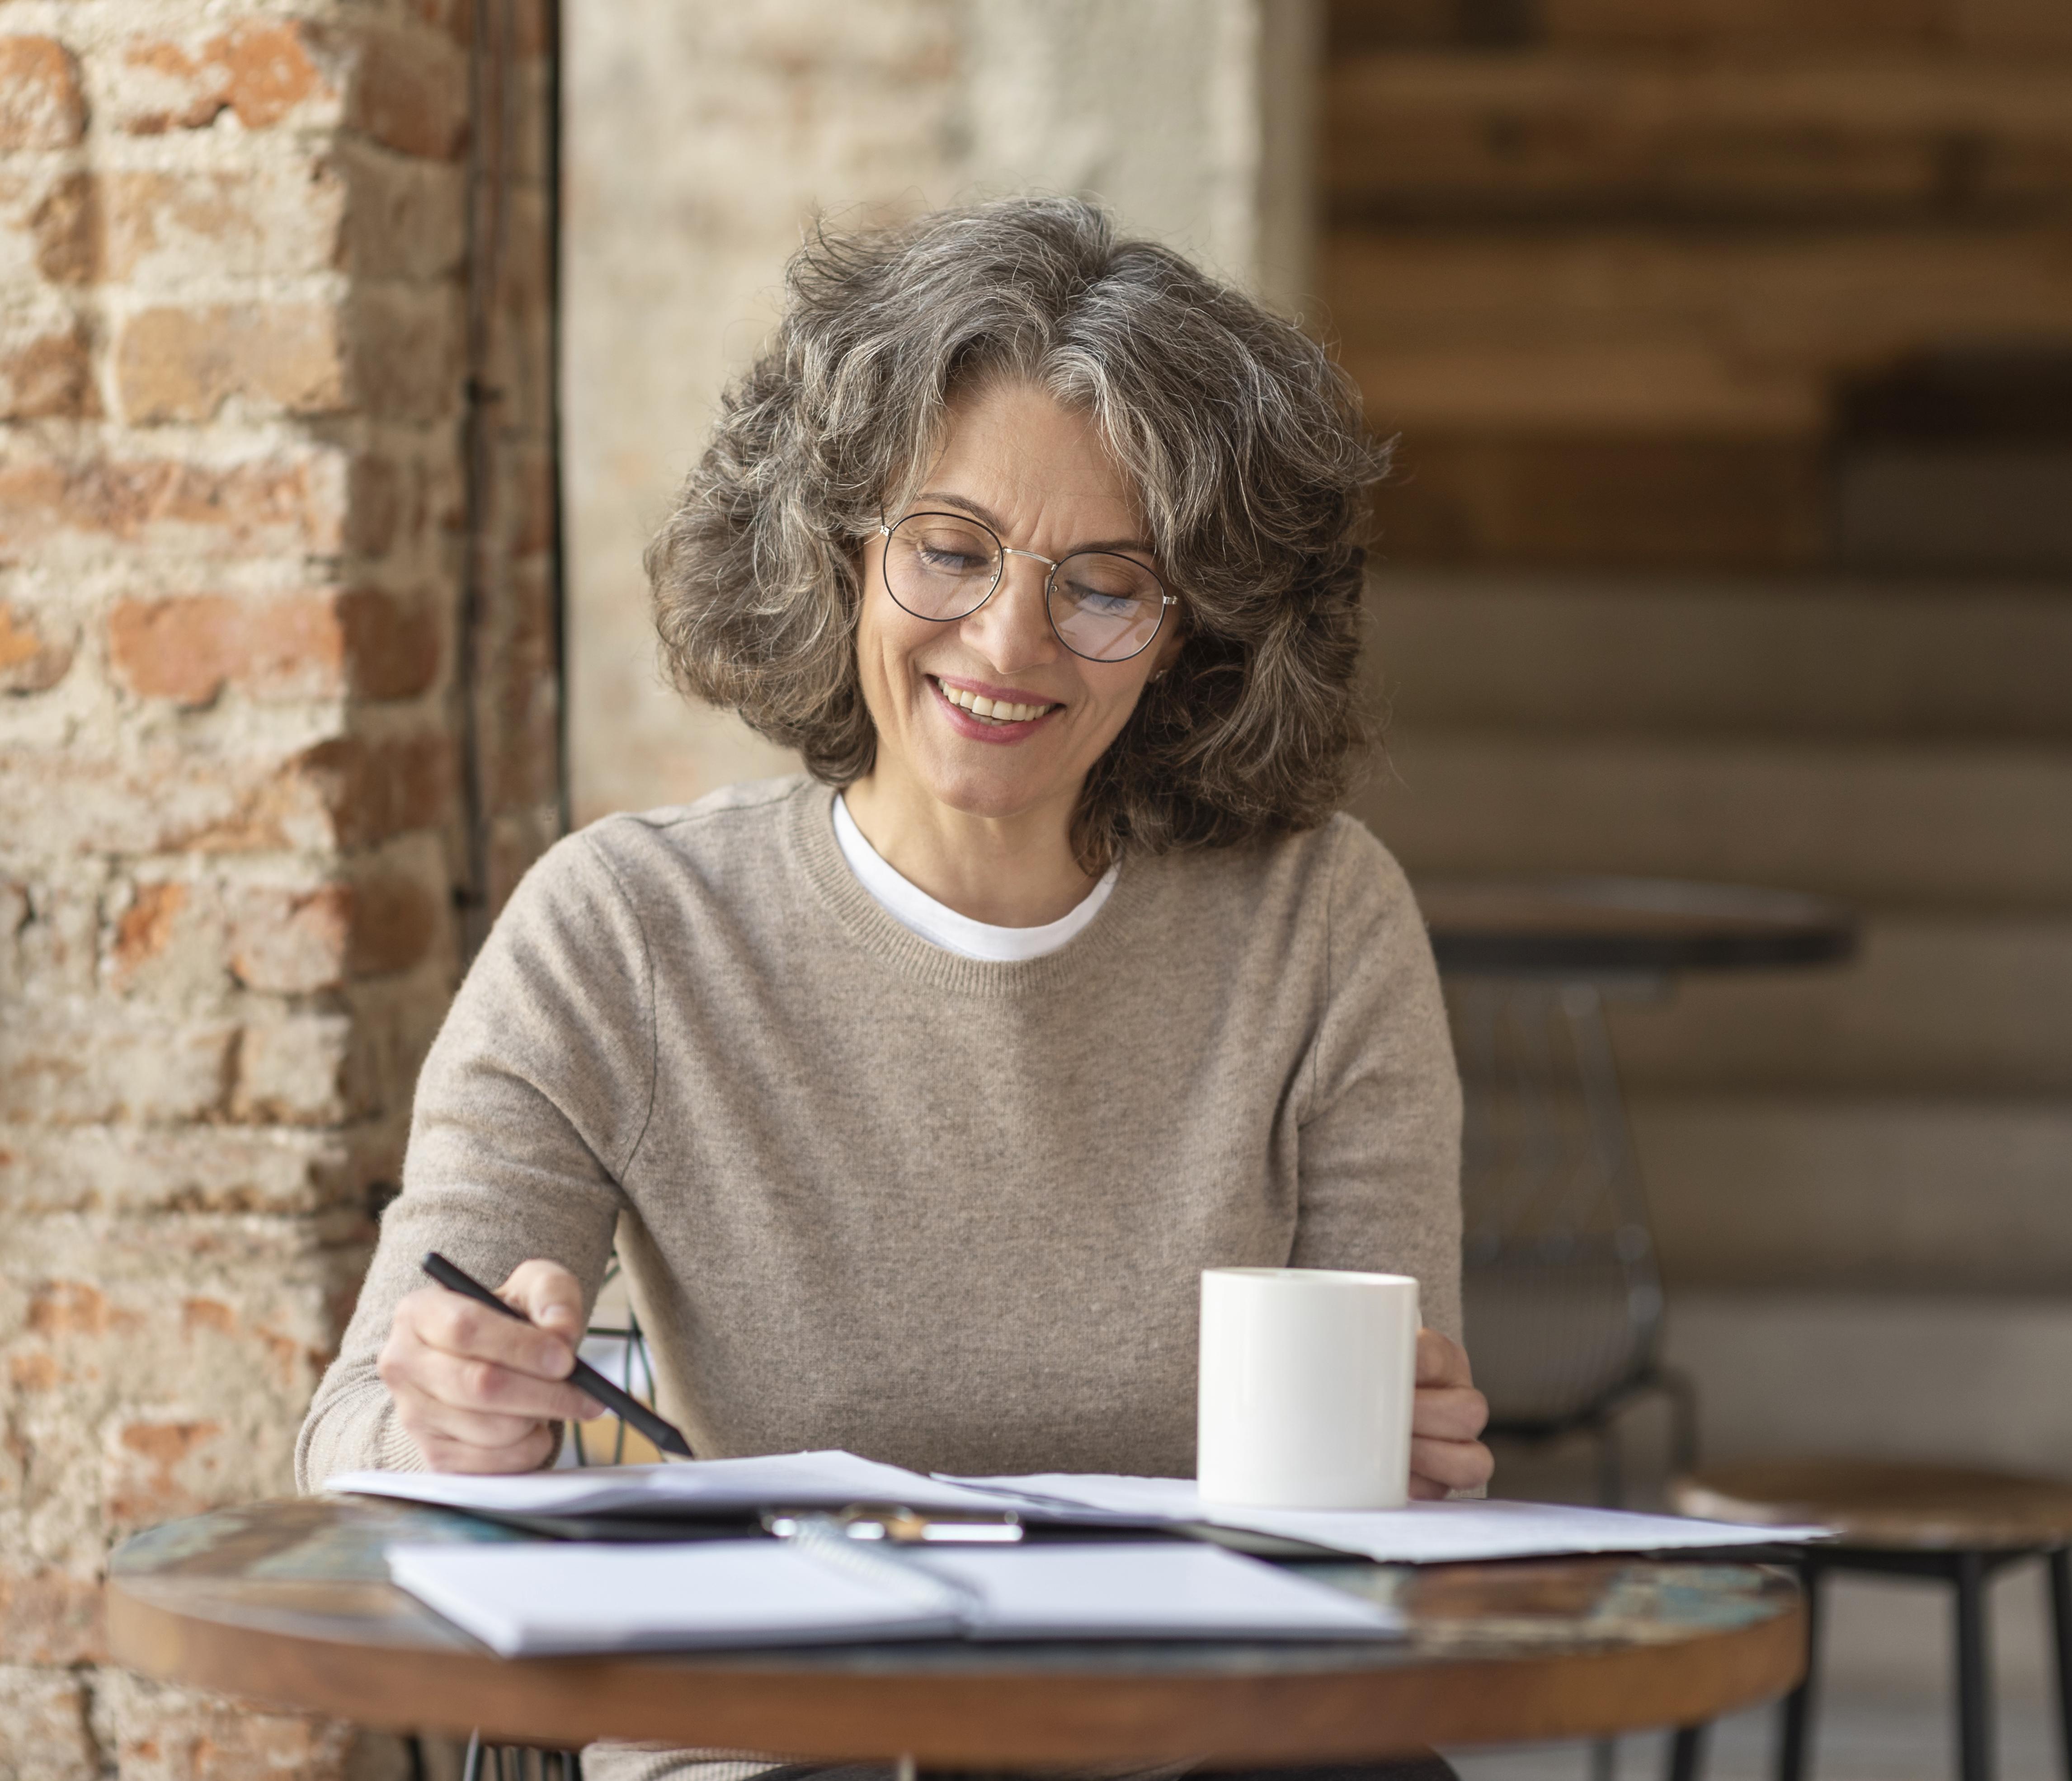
(1038, 474)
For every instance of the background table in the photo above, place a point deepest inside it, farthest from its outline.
(288, 1603)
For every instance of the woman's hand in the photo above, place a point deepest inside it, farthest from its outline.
(478, 1392)
(1448, 1415)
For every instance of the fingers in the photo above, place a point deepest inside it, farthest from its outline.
(477, 1391)
(1441, 1360)
(549, 1294)
(483, 1388)
(1446, 1466)
(445, 1321)
(1447, 1415)
(530, 1452)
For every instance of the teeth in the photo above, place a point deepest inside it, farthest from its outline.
(998, 711)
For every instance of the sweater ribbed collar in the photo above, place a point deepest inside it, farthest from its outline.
(1120, 931)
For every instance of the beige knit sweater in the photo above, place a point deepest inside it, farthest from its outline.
(872, 1195)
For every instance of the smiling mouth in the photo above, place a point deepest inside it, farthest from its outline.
(992, 710)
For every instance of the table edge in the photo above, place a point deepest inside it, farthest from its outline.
(979, 1719)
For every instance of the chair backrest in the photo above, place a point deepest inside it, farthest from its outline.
(618, 1350)
(1562, 1293)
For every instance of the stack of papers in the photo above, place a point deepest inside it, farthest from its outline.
(1422, 1533)
(562, 1597)
(573, 1595)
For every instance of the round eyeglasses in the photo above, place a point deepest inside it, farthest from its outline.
(945, 566)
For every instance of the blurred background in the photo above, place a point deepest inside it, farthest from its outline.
(351, 351)
(1729, 345)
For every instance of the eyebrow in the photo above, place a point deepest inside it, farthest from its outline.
(993, 519)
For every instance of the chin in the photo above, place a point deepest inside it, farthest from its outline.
(976, 792)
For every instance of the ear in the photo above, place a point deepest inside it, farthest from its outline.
(1172, 639)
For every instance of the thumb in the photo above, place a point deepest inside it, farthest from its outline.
(549, 1294)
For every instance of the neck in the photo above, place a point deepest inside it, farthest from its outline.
(1011, 872)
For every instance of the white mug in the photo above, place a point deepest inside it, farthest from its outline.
(1307, 1379)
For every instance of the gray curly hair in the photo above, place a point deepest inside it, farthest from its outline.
(1243, 439)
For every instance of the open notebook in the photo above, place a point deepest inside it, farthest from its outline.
(565, 1597)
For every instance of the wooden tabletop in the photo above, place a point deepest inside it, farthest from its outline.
(1888, 1505)
(288, 1603)
(1586, 927)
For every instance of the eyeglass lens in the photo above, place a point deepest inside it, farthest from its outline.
(1103, 606)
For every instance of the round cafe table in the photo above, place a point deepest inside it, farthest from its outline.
(288, 1603)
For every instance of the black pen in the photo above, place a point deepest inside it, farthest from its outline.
(585, 1378)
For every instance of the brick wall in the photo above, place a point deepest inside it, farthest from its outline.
(275, 698)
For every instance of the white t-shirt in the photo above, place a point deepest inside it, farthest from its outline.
(913, 908)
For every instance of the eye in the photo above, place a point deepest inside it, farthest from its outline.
(951, 561)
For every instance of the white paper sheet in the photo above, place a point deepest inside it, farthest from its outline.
(1422, 1533)
(565, 1596)
(1120, 1590)
(831, 1479)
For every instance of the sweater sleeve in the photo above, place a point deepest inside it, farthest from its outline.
(528, 1109)
(1380, 1137)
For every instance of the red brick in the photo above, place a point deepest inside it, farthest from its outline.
(299, 1070)
(207, 1314)
(189, 647)
(291, 943)
(455, 17)
(379, 495)
(391, 642)
(272, 504)
(185, 364)
(34, 653)
(70, 1307)
(260, 70)
(373, 791)
(47, 1616)
(395, 920)
(406, 358)
(283, 218)
(47, 376)
(65, 226)
(35, 1372)
(158, 1468)
(404, 219)
(41, 106)
(410, 94)
(147, 924)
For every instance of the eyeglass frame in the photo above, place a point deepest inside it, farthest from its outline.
(1167, 598)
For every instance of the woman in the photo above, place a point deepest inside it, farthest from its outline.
(918, 1091)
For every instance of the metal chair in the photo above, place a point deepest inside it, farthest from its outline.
(632, 1361)
(1562, 1289)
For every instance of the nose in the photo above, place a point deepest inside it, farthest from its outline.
(1011, 630)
